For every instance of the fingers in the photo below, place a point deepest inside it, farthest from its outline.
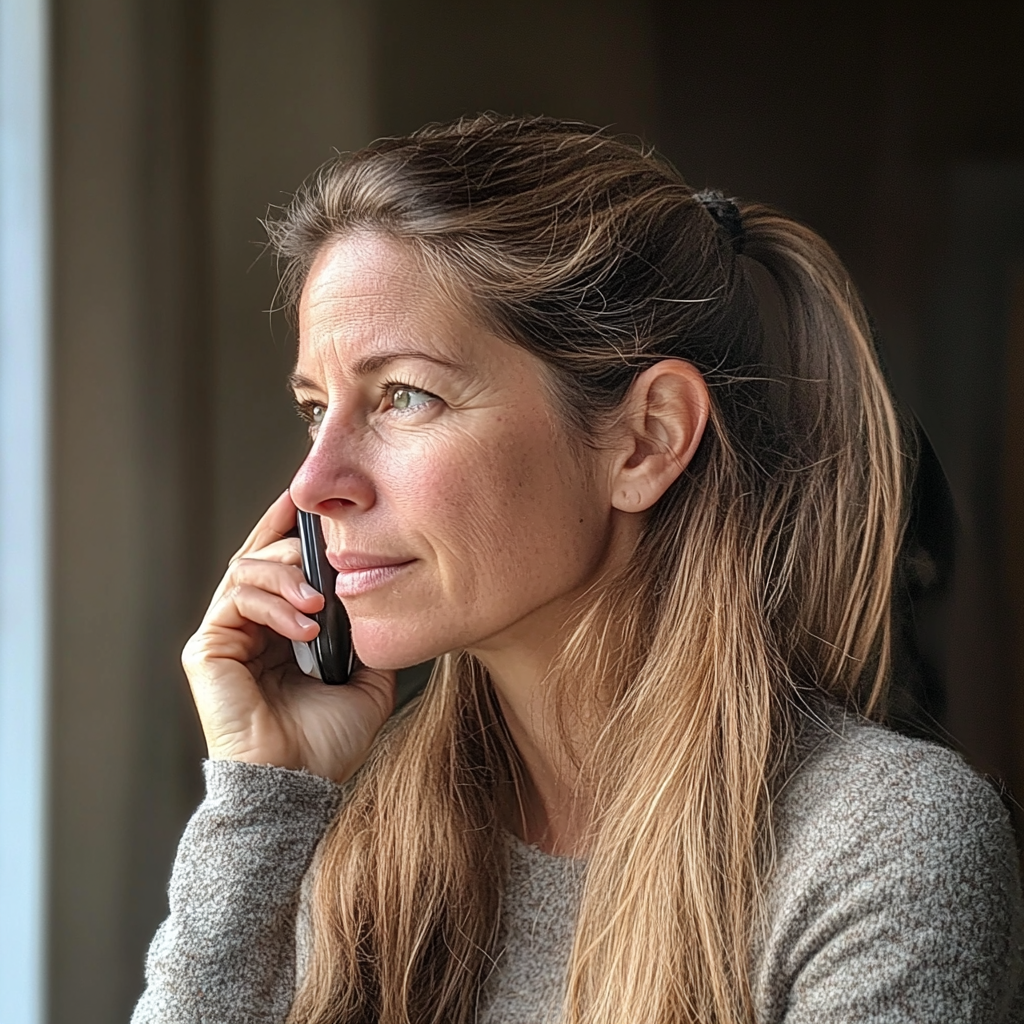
(270, 594)
(278, 578)
(287, 551)
(247, 604)
(256, 593)
(263, 586)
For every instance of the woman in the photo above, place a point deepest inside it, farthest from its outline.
(621, 456)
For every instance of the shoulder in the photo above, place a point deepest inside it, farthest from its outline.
(895, 870)
(855, 781)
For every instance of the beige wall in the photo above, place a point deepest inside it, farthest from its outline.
(290, 84)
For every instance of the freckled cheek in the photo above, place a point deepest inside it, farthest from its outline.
(418, 490)
(457, 497)
(512, 511)
(497, 513)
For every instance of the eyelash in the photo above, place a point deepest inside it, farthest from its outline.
(390, 385)
(305, 409)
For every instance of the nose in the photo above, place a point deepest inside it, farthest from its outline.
(330, 479)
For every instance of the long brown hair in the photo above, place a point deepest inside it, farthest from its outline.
(763, 574)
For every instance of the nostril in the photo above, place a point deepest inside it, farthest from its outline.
(324, 489)
(334, 505)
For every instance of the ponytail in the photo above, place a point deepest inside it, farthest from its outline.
(842, 417)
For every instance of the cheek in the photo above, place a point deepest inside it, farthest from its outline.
(505, 518)
(459, 495)
(505, 523)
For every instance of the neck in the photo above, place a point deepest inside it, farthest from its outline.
(548, 810)
(552, 810)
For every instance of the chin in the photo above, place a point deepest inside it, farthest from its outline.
(383, 646)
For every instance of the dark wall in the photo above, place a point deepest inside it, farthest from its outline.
(591, 60)
(130, 373)
(288, 86)
(848, 116)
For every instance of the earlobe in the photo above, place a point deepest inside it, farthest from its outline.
(630, 500)
(665, 415)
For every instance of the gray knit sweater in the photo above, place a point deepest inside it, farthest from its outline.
(895, 897)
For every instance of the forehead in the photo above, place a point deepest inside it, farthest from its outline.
(368, 299)
(357, 265)
(365, 289)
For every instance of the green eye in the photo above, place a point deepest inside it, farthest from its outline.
(403, 398)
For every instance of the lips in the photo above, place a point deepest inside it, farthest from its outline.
(356, 561)
(359, 572)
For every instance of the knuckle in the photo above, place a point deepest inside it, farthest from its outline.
(194, 649)
(248, 566)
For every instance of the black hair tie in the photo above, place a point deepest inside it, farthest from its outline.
(725, 213)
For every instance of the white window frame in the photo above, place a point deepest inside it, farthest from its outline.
(24, 506)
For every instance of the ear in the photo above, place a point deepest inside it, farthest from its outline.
(663, 419)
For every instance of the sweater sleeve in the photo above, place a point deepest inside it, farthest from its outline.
(897, 896)
(226, 952)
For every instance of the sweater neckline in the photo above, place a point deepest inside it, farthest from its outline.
(532, 854)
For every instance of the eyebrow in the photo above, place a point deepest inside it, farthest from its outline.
(375, 363)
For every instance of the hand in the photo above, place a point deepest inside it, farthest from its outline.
(254, 702)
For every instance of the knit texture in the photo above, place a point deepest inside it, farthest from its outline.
(226, 951)
(538, 920)
(895, 897)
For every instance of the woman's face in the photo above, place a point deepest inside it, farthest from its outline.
(455, 510)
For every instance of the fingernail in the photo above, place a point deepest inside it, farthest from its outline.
(306, 591)
(303, 621)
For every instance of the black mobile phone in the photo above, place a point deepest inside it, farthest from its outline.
(329, 655)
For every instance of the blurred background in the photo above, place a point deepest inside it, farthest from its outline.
(163, 131)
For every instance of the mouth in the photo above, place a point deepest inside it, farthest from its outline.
(359, 573)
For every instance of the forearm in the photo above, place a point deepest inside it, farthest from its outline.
(226, 952)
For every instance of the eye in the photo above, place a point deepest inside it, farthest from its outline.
(312, 412)
(404, 398)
